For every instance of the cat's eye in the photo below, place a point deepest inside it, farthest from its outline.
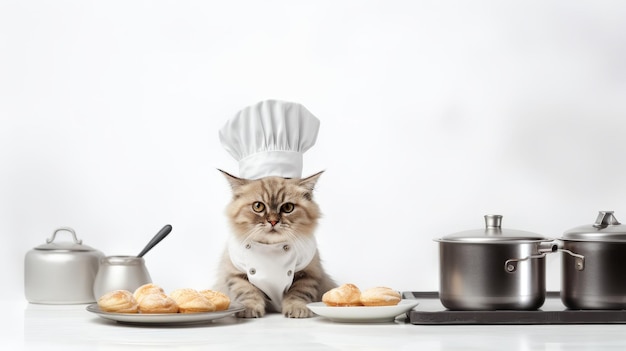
(258, 206)
(287, 207)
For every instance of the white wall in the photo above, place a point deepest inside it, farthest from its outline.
(433, 113)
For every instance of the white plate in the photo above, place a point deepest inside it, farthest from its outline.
(362, 314)
(164, 318)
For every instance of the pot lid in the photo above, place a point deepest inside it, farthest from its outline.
(75, 245)
(492, 233)
(605, 228)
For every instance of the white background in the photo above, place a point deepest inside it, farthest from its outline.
(433, 113)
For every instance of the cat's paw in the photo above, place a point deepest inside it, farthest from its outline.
(255, 311)
(296, 310)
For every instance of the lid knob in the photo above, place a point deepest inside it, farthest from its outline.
(68, 229)
(493, 221)
(605, 218)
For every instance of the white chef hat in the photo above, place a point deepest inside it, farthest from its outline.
(269, 138)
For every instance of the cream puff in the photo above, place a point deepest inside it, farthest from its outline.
(344, 295)
(191, 301)
(119, 301)
(157, 303)
(380, 296)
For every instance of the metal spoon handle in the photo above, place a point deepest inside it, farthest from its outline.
(156, 239)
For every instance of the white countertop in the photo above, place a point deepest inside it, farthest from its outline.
(70, 327)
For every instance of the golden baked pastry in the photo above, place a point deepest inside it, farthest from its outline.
(157, 303)
(151, 298)
(119, 301)
(191, 301)
(145, 290)
(344, 295)
(380, 296)
(220, 300)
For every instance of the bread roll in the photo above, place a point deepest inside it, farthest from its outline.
(119, 301)
(380, 296)
(191, 301)
(344, 295)
(220, 300)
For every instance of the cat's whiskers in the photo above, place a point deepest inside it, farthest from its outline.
(253, 233)
(297, 240)
(260, 234)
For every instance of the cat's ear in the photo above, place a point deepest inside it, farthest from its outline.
(310, 181)
(234, 182)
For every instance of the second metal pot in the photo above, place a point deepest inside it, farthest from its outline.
(493, 269)
(594, 264)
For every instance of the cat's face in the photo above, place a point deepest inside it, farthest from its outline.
(272, 209)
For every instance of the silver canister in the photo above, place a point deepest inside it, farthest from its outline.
(60, 272)
(120, 273)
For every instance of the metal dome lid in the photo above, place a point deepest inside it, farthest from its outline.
(605, 228)
(493, 233)
(75, 245)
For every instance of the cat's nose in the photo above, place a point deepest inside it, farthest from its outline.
(273, 223)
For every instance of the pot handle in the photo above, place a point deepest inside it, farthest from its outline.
(510, 265)
(68, 229)
(579, 260)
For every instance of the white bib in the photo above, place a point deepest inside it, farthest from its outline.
(271, 267)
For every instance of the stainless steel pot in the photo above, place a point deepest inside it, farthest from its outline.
(594, 265)
(61, 272)
(493, 268)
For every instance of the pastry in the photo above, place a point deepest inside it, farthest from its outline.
(119, 301)
(181, 293)
(157, 303)
(380, 296)
(220, 300)
(344, 295)
(151, 298)
(145, 290)
(191, 301)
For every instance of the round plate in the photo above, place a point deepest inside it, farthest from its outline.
(362, 314)
(164, 318)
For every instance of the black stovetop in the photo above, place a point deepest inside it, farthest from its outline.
(430, 311)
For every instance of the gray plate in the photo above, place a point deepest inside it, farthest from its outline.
(164, 318)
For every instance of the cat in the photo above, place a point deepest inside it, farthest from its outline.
(264, 214)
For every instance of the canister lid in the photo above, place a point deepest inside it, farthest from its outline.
(492, 233)
(74, 245)
(605, 228)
